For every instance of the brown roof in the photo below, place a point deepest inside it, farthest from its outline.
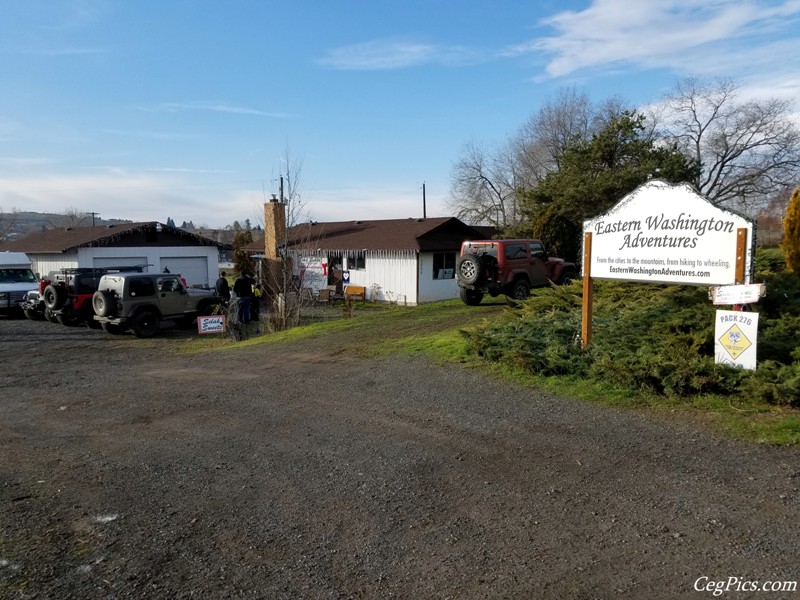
(69, 238)
(439, 233)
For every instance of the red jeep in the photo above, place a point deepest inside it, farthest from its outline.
(68, 299)
(510, 267)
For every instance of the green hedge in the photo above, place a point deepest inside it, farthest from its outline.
(658, 338)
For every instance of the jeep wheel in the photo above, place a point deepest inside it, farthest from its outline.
(470, 297)
(566, 278)
(33, 315)
(68, 318)
(468, 268)
(145, 324)
(53, 296)
(48, 314)
(521, 289)
(113, 328)
(103, 303)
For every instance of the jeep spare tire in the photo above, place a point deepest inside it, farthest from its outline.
(103, 303)
(53, 297)
(468, 268)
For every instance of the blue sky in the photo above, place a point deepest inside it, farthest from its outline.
(149, 109)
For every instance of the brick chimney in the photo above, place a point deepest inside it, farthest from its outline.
(274, 227)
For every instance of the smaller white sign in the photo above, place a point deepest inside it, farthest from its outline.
(735, 338)
(213, 324)
(737, 294)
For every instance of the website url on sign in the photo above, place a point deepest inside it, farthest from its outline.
(739, 584)
(662, 271)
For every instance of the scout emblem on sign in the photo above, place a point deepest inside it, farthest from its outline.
(734, 341)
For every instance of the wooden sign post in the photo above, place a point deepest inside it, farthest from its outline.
(586, 319)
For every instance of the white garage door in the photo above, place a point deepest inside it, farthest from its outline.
(121, 261)
(194, 269)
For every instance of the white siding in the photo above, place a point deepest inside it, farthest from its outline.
(120, 261)
(50, 264)
(431, 289)
(88, 257)
(389, 276)
(194, 269)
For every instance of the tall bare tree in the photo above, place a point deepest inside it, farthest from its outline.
(486, 186)
(70, 217)
(748, 150)
(770, 218)
(7, 221)
(278, 278)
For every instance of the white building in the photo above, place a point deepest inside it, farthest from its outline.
(408, 261)
(158, 246)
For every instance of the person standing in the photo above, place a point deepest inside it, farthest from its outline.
(222, 288)
(243, 288)
(256, 306)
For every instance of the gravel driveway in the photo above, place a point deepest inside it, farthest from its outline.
(129, 470)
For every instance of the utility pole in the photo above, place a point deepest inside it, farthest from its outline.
(93, 216)
(424, 209)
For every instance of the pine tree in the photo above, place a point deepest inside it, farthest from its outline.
(791, 234)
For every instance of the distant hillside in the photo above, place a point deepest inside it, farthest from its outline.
(15, 225)
(18, 224)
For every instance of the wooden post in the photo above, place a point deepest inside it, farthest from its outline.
(741, 249)
(741, 252)
(586, 320)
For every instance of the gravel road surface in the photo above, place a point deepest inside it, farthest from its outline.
(129, 470)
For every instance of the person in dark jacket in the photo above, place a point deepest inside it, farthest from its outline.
(243, 288)
(222, 288)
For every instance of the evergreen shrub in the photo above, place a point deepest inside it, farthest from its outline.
(658, 338)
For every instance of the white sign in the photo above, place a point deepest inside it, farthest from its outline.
(736, 337)
(213, 324)
(313, 273)
(737, 294)
(661, 233)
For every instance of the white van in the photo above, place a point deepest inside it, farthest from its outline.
(16, 278)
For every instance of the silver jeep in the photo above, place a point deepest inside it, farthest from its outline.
(140, 301)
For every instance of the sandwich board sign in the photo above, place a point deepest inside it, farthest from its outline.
(211, 324)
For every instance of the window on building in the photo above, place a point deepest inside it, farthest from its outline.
(444, 265)
(356, 262)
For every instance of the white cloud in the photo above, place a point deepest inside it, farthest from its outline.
(154, 196)
(62, 51)
(345, 204)
(387, 54)
(659, 33)
(150, 135)
(210, 106)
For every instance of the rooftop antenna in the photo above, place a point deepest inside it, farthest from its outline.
(424, 210)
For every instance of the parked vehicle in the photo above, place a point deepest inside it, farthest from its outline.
(140, 302)
(16, 278)
(510, 267)
(66, 297)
